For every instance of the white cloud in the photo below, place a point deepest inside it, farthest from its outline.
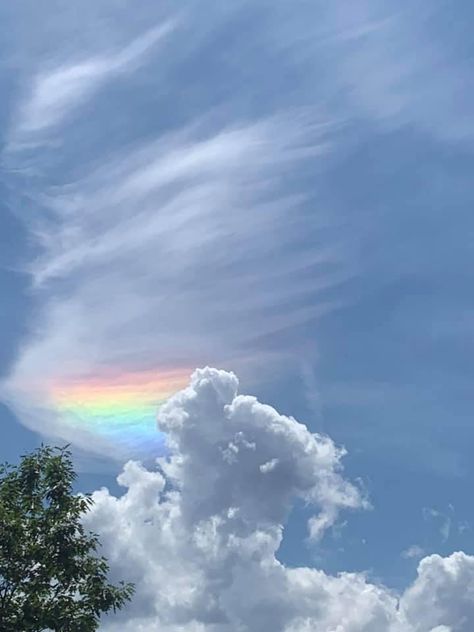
(444, 520)
(188, 249)
(193, 245)
(206, 420)
(204, 553)
(60, 89)
(443, 594)
(392, 64)
(412, 552)
(202, 549)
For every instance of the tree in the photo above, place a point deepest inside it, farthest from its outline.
(51, 576)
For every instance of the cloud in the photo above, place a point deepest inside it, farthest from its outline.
(58, 91)
(444, 520)
(413, 551)
(203, 550)
(391, 65)
(442, 593)
(200, 536)
(232, 444)
(192, 247)
(201, 235)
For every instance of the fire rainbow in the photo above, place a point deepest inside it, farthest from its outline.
(119, 408)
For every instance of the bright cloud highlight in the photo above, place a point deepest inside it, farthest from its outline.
(200, 536)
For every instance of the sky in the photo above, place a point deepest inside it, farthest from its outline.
(280, 191)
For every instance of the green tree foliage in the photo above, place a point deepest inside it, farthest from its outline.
(51, 576)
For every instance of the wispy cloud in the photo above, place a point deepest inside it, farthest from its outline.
(415, 551)
(384, 63)
(65, 85)
(444, 520)
(196, 244)
(200, 242)
(188, 249)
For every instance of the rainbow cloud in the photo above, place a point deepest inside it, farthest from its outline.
(119, 409)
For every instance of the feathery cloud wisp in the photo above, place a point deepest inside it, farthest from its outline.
(58, 91)
(192, 247)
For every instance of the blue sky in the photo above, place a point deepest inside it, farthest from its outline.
(279, 189)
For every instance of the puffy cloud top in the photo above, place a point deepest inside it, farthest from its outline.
(199, 536)
(240, 457)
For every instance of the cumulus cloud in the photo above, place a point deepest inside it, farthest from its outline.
(200, 535)
(242, 457)
(442, 595)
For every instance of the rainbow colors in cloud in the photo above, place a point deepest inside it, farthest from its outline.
(118, 408)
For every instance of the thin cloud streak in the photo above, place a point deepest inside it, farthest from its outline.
(58, 91)
(184, 249)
